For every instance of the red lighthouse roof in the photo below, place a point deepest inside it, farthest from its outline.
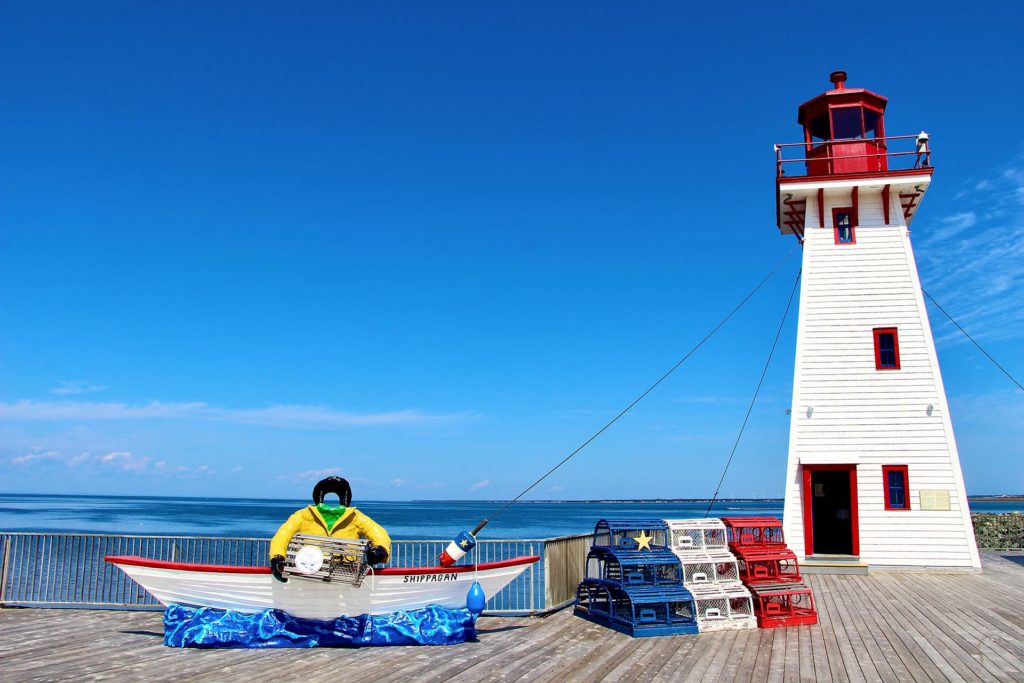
(844, 130)
(840, 96)
(844, 148)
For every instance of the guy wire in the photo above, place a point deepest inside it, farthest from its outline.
(651, 388)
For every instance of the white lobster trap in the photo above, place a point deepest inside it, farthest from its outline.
(326, 559)
(741, 604)
(697, 571)
(697, 536)
(727, 569)
(723, 609)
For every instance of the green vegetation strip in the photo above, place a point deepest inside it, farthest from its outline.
(999, 531)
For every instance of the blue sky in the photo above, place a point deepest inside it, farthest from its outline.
(434, 248)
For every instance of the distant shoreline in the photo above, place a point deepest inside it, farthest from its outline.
(988, 498)
(610, 501)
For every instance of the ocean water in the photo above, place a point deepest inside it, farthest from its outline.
(440, 520)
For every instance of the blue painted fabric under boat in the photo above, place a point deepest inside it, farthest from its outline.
(206, 627)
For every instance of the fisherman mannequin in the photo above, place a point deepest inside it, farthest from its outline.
(336, 521)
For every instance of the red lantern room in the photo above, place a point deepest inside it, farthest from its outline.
(845, 160)
(844, 130)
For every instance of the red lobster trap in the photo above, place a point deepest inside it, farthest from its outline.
(748, 532)
(769, 569)
(783, 605)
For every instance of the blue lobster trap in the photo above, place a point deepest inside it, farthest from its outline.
(627, 533)
(633, 581)
(627, 567)
(637, 611)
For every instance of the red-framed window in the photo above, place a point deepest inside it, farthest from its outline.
(887, 348)
(896, 484)
(842, 223)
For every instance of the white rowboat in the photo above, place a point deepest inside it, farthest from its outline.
(253, 589)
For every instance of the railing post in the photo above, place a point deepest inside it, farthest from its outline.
(547, 576)
(4, 562)
(533, 572)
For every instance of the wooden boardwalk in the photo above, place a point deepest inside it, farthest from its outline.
(879, 627)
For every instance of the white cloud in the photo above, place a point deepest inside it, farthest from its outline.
(954, 225)
(84, 410)
(124, 461)
(311, 476)
(711, 399)
(972, 262)
(78, 459)
(68, 388)
(482, 484)
(280, 416)
(318, 416)
(35, 456)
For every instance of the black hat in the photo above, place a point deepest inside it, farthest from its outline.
(333, 485)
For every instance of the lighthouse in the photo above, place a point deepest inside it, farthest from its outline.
(873, 478)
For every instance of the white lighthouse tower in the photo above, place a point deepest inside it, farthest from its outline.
(874, 476)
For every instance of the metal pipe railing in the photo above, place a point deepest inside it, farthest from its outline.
(921, 152)
(68, 570)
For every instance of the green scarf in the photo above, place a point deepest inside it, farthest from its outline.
(331, 513)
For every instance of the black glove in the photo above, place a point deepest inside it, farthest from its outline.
(376, 554)
(277, 568)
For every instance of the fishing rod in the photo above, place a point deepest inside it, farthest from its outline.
(466, 540)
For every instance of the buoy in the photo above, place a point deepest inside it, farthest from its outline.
(457, 549)
(475, 599)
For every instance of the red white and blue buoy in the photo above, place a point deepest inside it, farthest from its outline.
(457, 549)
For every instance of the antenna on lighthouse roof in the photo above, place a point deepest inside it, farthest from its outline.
(838, 79)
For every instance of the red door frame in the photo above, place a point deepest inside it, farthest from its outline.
(809, 500)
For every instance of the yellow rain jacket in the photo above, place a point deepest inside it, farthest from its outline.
(353, 525)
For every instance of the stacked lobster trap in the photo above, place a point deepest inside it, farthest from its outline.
(711, 574)
(770, 570)
(633, 581)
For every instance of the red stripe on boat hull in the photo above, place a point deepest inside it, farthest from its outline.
(137, 561)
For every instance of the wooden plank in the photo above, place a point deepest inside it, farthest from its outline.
(978, 639)
(734, 658)
(958, 652)
(676, 665)
(777, 661)
(848, 661)
(663, 650)
(828, 662)
(550, 648)
(762, 661)
(601, 662)
(877, 649)
(745, 670)
(578, 632)
(887, 616)
(805, 655)
(708, 645)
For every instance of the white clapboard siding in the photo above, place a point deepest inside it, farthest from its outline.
(845, 411)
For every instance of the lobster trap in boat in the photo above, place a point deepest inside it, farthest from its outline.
(336, 560)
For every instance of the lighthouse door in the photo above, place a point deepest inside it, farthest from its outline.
(830, 510)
